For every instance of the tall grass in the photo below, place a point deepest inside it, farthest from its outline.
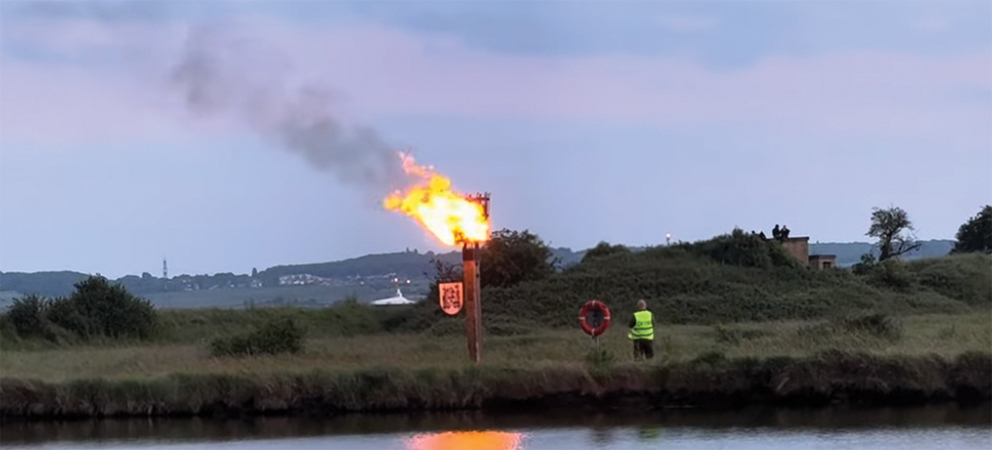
(944, 335)
(709, 381)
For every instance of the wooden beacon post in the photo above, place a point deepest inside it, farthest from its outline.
(473, 288)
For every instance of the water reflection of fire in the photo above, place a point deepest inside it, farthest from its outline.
(465, 440)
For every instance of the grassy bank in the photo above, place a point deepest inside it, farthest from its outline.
(708, 381)
(943, 335)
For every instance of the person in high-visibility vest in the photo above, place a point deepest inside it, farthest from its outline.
(642, 331)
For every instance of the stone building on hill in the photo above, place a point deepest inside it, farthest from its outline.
(798, 247)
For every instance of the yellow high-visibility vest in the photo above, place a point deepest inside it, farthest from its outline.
(643, 329)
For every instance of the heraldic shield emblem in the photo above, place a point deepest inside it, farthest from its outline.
(451, 297)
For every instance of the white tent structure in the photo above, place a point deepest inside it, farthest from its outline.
(399, 299)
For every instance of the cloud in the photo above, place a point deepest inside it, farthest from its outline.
(384, 71)
(687, 24)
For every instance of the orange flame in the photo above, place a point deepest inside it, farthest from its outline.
(465, 440)
(449, 216)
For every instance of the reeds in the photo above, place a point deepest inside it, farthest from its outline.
(709, 381)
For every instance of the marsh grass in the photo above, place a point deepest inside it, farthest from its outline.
(942, 335)
(711, 377)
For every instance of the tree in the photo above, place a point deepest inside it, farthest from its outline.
(894, 230)
(254, 272)
(975, 235)
(511, 257)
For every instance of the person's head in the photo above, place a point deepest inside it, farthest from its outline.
(641, 305)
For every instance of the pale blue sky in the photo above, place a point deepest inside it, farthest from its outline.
(588, 121)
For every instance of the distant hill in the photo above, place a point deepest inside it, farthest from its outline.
(409, 264)
(49, 284)
(367, 277)
(849, 253)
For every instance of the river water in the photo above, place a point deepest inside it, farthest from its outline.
(945, 427)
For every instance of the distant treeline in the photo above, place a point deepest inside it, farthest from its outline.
(410, 264)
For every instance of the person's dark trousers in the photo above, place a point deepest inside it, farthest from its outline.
(643, 348)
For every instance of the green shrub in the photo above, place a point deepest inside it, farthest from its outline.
(743, 249)
(274, 337)
(108, 310)
(96, 308)
(604, 249)
(27, 315)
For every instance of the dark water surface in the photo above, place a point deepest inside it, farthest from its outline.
(945, 427)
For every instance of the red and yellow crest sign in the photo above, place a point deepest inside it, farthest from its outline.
(451, 297)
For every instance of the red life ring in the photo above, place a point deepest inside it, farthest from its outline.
(594, 306)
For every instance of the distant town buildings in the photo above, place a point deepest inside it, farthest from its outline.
(306, 279)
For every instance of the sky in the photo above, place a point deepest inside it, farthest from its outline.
(237, 134)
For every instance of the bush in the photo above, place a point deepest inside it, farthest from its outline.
(108, 310)
(274, 337)
(604, 249)
(96, 308)
(743, 249)
(27, 315)
(64, 314)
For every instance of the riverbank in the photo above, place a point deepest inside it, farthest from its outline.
(709, 381)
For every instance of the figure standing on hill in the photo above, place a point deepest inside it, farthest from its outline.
(642, 331)
(785, 232)
(776, 233)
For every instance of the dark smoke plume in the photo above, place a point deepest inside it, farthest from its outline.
(222, 75)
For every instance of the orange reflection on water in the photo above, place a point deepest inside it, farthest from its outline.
(465, 440)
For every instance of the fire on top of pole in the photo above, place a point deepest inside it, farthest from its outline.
(455, 219)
